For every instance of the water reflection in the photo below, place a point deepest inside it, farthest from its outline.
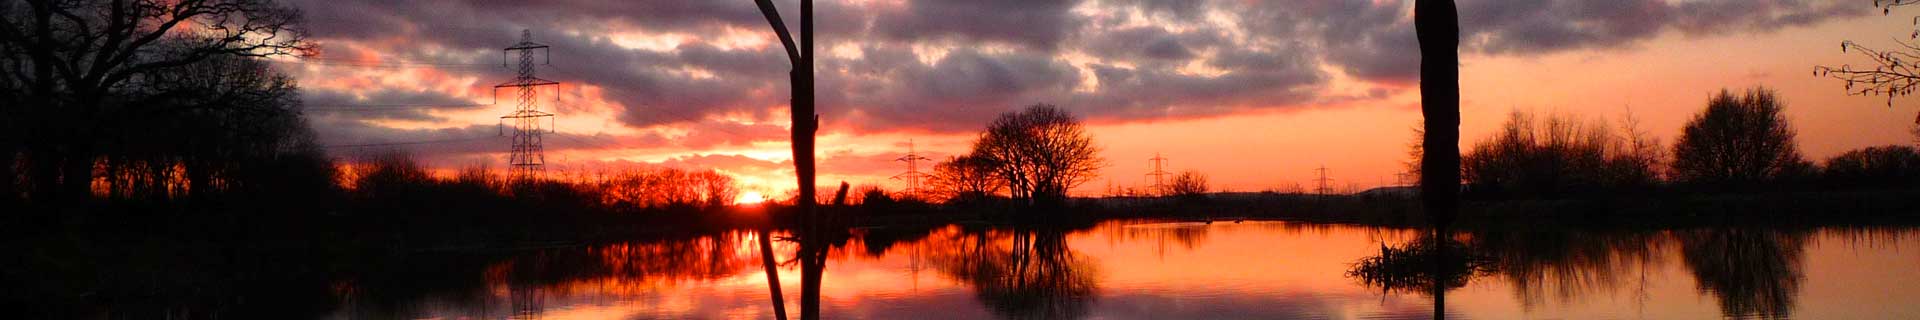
(1750, 272)
(1180, 270)
(1431, 265)
(1021, 274)
(523, 285)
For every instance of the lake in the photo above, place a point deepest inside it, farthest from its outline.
(1182, 270)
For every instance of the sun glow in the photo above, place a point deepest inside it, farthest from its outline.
(750, 197)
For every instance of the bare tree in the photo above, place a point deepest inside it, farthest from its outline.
(1041, 152)
(73, 62)
(965, 178)
(1892, 73)
(1738, 140)
(1190, 185)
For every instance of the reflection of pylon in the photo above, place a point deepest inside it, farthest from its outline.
(527, 158)
(1159, 174)
(913, 174)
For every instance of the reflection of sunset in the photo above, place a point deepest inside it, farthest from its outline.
(1192, 270)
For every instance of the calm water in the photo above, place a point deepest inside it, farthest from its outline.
(1117, 270)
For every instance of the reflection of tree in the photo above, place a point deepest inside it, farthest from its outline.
(470, 283)
(1033, 275)
(1751, 272)
(1187, 235)
(1568, 264)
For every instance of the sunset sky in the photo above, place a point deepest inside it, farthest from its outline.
(1255, 94)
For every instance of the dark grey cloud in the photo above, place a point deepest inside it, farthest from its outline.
(1035, 24)
(383, 103)
(1273, 77)
(1526, 27)
(965, 88)
(951, 65)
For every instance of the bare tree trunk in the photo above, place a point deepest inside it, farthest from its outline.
(1437, 24)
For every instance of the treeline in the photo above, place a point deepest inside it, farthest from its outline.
(391, 174)
(162, 125)
(164, 102)
(1739, 143)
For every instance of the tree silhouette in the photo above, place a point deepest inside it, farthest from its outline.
(1881, 166)
(965, 179)
(1893, 73)
(1189, 185)
(1437, 25)
(1736, 141)
(73, 62)
(1041, 152)
(1558, 155)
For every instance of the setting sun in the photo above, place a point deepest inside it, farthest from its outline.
(750, 197)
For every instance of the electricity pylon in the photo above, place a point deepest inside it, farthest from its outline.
(1159, 174)
(913, 174)
(527, 158)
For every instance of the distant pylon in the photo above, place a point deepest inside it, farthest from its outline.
(913, 174)
(1324, 189)
(1158, 165)
(527, 158)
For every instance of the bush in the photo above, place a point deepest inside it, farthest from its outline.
(1534, 157)
(1189, 185)
(1883, 166)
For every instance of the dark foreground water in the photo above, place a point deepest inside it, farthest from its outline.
(1117, 270)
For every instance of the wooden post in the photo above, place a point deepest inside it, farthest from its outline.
(1438, 27)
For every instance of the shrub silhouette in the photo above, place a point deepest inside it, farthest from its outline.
(1883, 166)
(1189, 186)
(1556, 156)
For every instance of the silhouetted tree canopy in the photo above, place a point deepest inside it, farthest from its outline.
(1558, 155)
(1189, 185)
(1040, 152)
(1738, 140)
(82, 70)
(965, 178)
(1882, 166)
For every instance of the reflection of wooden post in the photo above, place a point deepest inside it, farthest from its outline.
(773, 275)
(1436, 22)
